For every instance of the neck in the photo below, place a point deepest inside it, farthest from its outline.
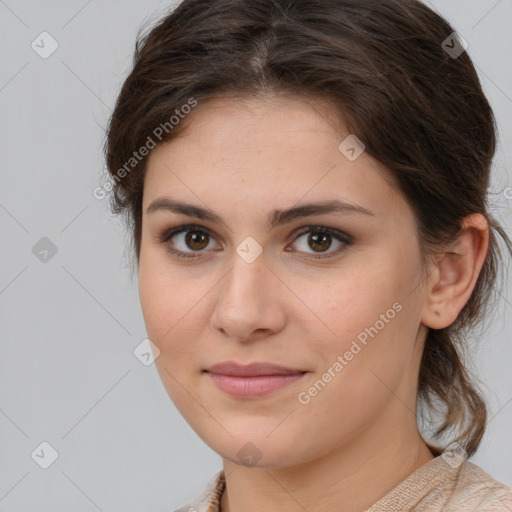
(349, 479)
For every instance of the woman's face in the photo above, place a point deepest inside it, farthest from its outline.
(333, 295)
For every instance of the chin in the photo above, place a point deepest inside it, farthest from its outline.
(259, 450)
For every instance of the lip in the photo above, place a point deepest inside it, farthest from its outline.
(252, 369)
(252, 380)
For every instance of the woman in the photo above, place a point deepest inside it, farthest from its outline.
(306, 184)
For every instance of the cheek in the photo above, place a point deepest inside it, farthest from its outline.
(351, 303)
(367, 329)
(158, 287)
(153, 300)
(161, 300)
(174, 308)
(168, 312)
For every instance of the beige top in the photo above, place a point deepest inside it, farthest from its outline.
(447, 483)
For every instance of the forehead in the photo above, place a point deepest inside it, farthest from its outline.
(266, 152)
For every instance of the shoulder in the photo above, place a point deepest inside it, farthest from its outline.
(475, 490)
(209, 499)
(447, 483)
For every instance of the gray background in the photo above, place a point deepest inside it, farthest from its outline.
(69, 325)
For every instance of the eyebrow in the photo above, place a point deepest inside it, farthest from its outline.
(276, 218)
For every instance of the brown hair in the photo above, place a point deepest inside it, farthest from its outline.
(418, 110)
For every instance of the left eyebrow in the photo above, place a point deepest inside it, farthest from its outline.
(276, 218)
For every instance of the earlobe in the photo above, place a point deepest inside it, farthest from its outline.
(455, 273)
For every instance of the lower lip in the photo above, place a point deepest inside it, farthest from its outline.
(255, 386)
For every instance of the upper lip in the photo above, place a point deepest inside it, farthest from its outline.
(231, 368)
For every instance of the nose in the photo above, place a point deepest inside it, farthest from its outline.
(250, 302)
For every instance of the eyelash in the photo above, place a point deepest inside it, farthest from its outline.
(338, 235)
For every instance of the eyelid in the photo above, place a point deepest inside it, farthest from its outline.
(169, 233)
(338, 235)
(342, 236)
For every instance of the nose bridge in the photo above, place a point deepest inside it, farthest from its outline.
(245, 304)
(247, 275)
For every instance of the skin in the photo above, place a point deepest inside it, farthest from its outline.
(358, 437)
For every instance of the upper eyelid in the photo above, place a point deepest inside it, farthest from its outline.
(300, 231)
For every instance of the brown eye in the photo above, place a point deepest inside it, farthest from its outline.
(320, 240)
(192, 241)
(187, 241)
(195, 240)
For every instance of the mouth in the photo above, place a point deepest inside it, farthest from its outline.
(253, 380)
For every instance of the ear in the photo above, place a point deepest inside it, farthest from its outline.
(453, 277)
